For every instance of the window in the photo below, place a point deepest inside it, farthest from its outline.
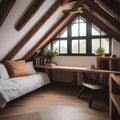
(81, 37)
(79, 46)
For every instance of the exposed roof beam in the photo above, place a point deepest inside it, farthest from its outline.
(74, 11)
(113, 4)
(68, 1)
(102, 12)
(30, 11)
(53, 31)
(108, 10)
(114, 31)
(5, 7)
(73, 6)
(33, 30)
(47, 37)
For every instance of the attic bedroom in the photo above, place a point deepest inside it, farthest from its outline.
(60, 59)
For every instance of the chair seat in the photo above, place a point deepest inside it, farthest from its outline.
(92, 86)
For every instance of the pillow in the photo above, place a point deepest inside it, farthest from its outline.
(30, 67)
(3, 72)
(17, 68)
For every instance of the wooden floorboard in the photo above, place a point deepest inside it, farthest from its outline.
(55, 102)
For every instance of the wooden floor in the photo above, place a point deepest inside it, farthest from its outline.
(55, 102)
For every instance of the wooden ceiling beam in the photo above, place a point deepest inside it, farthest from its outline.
(109, 10)
(113, 4)
(63, 2)
(30, 12)
(33, 30)
(102, 12)
(112, 30)
(5, 7)
(52, 33)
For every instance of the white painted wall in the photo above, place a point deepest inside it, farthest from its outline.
(75, 60)
(10, 37)
(84, 60)
(116, 48)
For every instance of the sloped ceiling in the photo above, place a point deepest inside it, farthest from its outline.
(46, 18)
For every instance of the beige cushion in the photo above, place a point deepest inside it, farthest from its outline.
(30, 67)
(16, 68)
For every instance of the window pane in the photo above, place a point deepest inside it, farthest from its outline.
(105, 44)
(103, 33)
(95, 30)
(95, 44)
(75, 30)
(63, 46)
(82, 44)
(82, 19)
(82, 29)
(56, 45)
(74, 46)
(75, 20)
(64, 33)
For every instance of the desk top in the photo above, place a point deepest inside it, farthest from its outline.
(76, 69)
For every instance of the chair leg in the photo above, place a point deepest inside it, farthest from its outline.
(91, 99)
(81, 91)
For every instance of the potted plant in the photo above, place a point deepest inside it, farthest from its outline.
(100, 51)
(51, 54)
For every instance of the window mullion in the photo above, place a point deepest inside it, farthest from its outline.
(89, 37)
(69, 41)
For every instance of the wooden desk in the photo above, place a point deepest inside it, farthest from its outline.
(76, 69)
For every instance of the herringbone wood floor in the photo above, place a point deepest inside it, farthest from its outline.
(57, 102)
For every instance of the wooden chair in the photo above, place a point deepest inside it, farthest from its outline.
(93, 86)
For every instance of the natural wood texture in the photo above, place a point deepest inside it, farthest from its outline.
(77, 69)
(108, 9)
(94, 88)
(5, 7)
(114, 97)
(108, 63)
(52, 32)
(55, 102)
(102, 11)
(47, 37)
(114, 5)
(31, 10)
(33, 30)
(115, 32)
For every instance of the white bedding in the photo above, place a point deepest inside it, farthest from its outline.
(15, 87)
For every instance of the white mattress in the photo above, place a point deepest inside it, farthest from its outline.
(15, 87)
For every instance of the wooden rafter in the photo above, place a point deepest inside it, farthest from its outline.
(47, 37)
(63, 2)
(108, 9)
(31, 10)
(114, 5)
(112, 30)
(55, 30)
(33, 30)
(102, 12)
(5, 7)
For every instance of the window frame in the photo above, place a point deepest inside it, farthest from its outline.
(88, 38)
